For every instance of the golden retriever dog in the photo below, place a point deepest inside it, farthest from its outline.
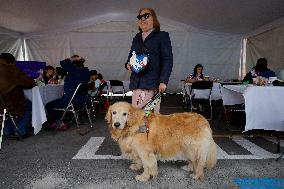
(169, 136)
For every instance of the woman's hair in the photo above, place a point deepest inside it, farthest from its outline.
(261, 65)
(100, 76)
(48, 68)
(156, 23)
(195, 69)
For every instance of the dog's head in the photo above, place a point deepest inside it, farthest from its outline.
(122, 114)
(117, 115)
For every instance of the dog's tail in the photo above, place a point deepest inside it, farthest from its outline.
(212, 155)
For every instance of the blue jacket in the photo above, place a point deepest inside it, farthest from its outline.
(74, 77)
(161, 60)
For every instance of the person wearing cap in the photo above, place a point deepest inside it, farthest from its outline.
(12, 83)
(76, 73)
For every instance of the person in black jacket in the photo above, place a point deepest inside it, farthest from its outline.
(77, 74)
(260, 69)
(156, 45)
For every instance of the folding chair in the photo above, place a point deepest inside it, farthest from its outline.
(232, 102)
(184, 93)
(81, 90)
(117, 87)
(2, 126)
(105, 90)
(201, 92)
(9, 116)
(96, 96)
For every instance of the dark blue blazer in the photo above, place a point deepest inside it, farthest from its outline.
(159, 48)
(74, 77)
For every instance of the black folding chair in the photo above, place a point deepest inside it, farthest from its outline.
(8, 116)
(82, 91)
(201, 92)
(185, 95)
(96, 96)
(116, 87)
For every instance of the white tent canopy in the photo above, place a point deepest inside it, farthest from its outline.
(209, 32)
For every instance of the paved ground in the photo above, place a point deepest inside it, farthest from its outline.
(69, 160)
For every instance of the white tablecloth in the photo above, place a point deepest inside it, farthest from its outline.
(233, 94)
(40, 96)
(264, 106)
(215, 93)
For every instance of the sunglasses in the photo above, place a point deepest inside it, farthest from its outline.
(145, 16)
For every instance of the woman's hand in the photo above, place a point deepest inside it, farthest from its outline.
(162, 87)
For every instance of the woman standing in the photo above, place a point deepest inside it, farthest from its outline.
(156, 45)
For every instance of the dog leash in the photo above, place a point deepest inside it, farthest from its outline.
(149, 107)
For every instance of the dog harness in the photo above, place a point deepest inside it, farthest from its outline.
(148, 109)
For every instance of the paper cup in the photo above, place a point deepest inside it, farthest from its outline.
(206, 78)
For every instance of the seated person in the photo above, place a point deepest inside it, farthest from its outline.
(197, 74)
(61, 73)
(103, 101)
(260, 69)
(49, 75)
(76, 74)
(12, 83)
(101, 78)
(94, 78)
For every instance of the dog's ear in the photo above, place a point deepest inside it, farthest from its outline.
(108, 115)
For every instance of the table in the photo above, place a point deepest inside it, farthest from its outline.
(264, 106)
(233, 94)
(215, 93)
(40, 96)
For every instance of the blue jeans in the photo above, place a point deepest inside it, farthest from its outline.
(22, 122)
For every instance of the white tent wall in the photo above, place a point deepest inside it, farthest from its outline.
(218, 54)
(269, 44)
(106, 46)
(11, 42)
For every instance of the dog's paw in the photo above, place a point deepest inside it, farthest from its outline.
(187, 168)
(135, 167)
(142, 178)
(197, 177)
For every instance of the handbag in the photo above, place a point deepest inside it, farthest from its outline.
(140, 62)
